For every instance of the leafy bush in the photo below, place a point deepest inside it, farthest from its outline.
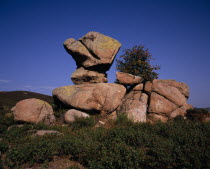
(197, 114)
(137, 61)
(37, 149)
(122, 119)
(5, 122)
(3, 147)
(81, 122)
(74, 167)
(59, 112)
(1, 166)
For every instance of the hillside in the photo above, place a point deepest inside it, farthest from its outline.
(208, 109)
(9, 99)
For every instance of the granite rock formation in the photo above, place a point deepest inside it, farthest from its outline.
(163, 100)
(94, 54)
(141, 101)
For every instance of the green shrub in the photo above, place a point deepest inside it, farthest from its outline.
(81, 122)
(197, 114)
(3, 147)
(5, 122)
(37, 149)
(1, 165)
(176, 144)
(122, 119)
(73, 167)
(60, 112)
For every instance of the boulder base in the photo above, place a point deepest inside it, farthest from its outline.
(99, 97)
(134, 105)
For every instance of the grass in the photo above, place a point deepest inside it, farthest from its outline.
(177, 144)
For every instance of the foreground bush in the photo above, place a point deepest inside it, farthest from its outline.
(197, 114)
(179, 144)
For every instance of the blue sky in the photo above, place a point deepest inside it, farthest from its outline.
(177, 33)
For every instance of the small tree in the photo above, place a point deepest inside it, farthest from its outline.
(136, 61)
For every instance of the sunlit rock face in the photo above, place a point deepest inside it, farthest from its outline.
(98, 97)
(94, 51)
(156, 100)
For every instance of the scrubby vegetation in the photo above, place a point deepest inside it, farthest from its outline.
(198, 114)
(176, 144)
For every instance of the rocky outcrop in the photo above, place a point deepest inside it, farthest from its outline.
(94, 54)
(128, 79)
(168, 99)
(142, 101)
(156, 100)
(33, 111)
(99, 97)
(71, 115)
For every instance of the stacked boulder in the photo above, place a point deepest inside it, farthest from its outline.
(168, 99)
(94, 54)
(141, 102)
(153, 101)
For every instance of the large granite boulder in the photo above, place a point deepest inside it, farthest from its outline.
(83, 76)
(71, 115)
(134, 104)
(171, 93)
(94, 51)
(101, 46)
(99, 97)
(182, 87)
(33, 111)
(128, 79)
(160, 105)
(168, 98)
(79, 53)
